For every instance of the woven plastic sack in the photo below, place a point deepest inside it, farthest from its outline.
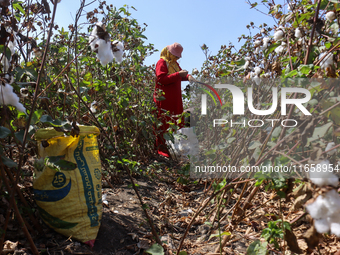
(70, 202)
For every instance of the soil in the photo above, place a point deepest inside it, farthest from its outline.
(124, 229)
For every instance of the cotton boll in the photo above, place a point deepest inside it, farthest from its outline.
(118, 50)
(325, 176)
(93, 107)
(278, 35)
(266, 40)
(317, 209)
(8, 97)
(257, 43)
(11, 46)
(330, 146)
(257, 70)
(291, 6)
(321, 225)
(330, 16)
(298, 33)
(280, 49)
(335, 228)
(257, 51)
(332, 202)
(24, 92)
(104, 54)
(4, 63)
(327, 61)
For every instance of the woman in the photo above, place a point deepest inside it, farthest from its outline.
(168, 93)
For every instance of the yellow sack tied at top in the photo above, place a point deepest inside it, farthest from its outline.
(70, 201)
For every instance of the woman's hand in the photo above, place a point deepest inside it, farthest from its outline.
(183, 73)
(191, 79)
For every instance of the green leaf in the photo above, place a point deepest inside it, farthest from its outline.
(17, 6)
(8, 52)
(219, 235)
(183, 253)
(271, 48)
(55, 123)
(4, 132)
(8, 162)
(36, 116)
(155, 249)
(58, 163)
(305, 69)
(257, 248)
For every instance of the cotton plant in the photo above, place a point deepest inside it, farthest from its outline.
(326, 207)
(100, 42)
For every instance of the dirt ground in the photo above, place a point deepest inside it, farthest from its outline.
(124, 229)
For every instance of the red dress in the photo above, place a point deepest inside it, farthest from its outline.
(170, 84)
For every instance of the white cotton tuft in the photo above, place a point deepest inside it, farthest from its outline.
(278, 35)
(4, 63)
(265, 40)
(330, 16)
(327, 61)
(93, 107)
(118, 55)
(330, 146)
(291, 6)
(8, 97)
(335, 228)
(257, 43)
(298, 33)
(332, 202)
(325, 176)
(11, 46)
(280, 49)
(257, 70)
(104, 54)
(321, 225)
(317, 209)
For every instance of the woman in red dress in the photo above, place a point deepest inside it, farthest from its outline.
(168, 85)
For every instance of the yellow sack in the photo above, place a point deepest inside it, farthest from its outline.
(71, 201)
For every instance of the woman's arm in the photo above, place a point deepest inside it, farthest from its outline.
(162, 75)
